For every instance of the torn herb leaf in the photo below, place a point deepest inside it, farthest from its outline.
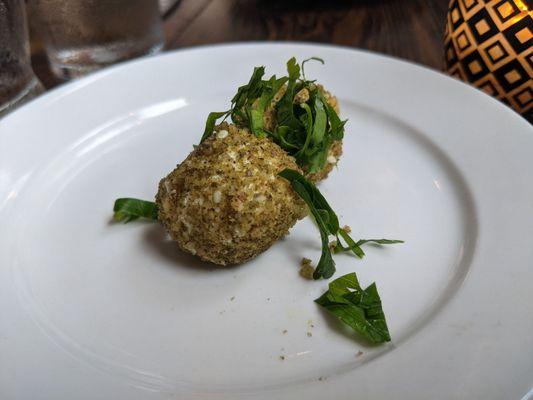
(328, 224)
(210, 123)
(303, 123)
(321, 61)
(128, 209)
(326, 219)
(355, 247)
(360, 309)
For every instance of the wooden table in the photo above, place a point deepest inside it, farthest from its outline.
(410, 29)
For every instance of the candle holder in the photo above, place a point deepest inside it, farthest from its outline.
(490, 45)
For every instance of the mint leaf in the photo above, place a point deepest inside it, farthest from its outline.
(360, 309)
(128, 209)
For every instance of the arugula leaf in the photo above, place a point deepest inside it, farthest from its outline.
(128, 209)
(210, 123)
(360, 309)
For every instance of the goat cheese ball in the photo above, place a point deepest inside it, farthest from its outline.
(225, 203)
(335, 151)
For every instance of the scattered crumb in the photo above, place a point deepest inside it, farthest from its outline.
(232, 298)
(282, 358)
(284, 331)
(359, 353)
(311, 325)
(268, 298)
(222, 312)
(322, 378)
(305, 261)
(346, 229)
(309, 334)
(307, 271)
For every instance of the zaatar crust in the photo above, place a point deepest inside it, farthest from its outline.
(225, 202)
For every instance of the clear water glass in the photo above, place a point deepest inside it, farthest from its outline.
(80, 36)
(18, 83)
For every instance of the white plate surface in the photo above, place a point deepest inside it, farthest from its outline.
(93, 310)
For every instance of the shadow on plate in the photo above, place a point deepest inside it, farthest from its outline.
(157, 240)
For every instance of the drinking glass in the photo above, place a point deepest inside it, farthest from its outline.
(80, 36)
(17, 80)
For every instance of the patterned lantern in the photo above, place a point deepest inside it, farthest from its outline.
(489, 43)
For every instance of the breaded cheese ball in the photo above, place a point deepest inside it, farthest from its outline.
(225, 203)
(335, 151)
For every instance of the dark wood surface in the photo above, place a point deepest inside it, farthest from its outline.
(409, 29)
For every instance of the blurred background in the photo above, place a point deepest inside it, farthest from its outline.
(488, 43)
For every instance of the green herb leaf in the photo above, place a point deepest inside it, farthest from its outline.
(128, 209)
(355, 247)
(379, 241)
(285, 107)
(326, 266)
(327, 222)
(326, 219)
(305, 131)
(360, 309)
(321, 61)
(210, 123)
(319, 127)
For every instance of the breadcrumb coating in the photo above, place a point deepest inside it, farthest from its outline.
(225, 203)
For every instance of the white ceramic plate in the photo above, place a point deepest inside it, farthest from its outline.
(93, 310)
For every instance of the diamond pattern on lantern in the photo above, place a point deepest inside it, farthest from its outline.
(511, 75)
(482, 26)
(451, 55)
(524, 99)
(470, 7)
(463, 40)
(489, 43)
(474, 66)
(496, 52)
(520, 35)
(506, 9)
(529, 60)
(490, 86)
